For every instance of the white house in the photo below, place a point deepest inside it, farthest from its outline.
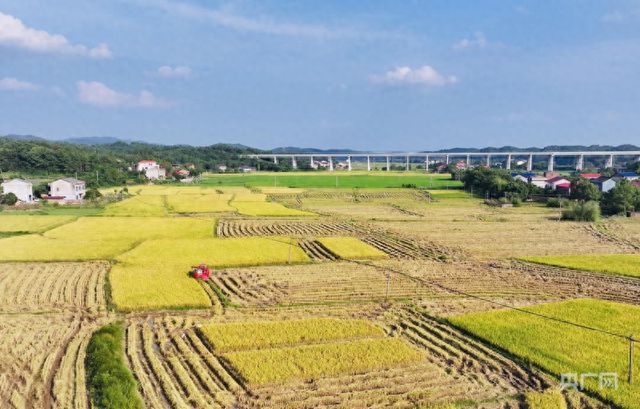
(521, 178)
(69, 188)
(539, 181)
(151, 169)
(23, 189)
(145, 164)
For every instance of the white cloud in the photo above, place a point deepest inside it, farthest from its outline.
(14, 33)
(174, 72)
(98, 94)
(477, 41)
(13, 84)
(425, 75)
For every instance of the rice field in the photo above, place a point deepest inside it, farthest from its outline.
(140, 205)
(31, 224)
(351, 248)
(563, 349)
(615, 264)
(306, 349)
(269, 334)
(154, 275)
(199, 203)
(312, 361)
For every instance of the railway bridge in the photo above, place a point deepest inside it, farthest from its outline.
(446, 157)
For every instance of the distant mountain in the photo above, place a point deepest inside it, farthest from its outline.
(23, 137)
(94, 140)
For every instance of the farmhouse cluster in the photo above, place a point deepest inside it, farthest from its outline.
(561, 184)
(66, 190)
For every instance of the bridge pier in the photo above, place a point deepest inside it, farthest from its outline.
(426, 163)
(580, 162)
(468, 161)
(550, 165)
(530, 163)
(275, 160)
(407, 166)
(609, 163)
(294, 163)
(488, 161)
(313, 166)
(508, 162)
(368, 163)
(330, 163)
(349, 163)
(388, 164)
(447, 159)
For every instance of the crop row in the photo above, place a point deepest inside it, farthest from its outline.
(28, 286)
(175, 368)
(242, 228)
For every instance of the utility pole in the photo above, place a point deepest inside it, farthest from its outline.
(631, 345)
(290, 245)
(386, 294)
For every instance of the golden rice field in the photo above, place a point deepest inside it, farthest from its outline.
(199, 203)
(312, 361)
(154, 275)
(269, 334)
(306, 349)
(140, 205)
(31, 224)
(616, 264)
(563, 349)
(99, 238)
(351, 248)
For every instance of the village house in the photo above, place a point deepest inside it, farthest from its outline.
(23, 189)
(558, 182)
(222, 168)
(151, 169)
(590, 176)
(628, 175)
(604, 183)
(183, 172)
(539, 181)
(68, 189)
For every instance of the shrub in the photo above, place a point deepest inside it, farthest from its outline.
(9, 199)
(93, 194)
(582, 211)
(516, 201)
(111, 385)
(557, 202)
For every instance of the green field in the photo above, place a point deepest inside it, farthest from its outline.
(335, 179)
(563, 349)
(615, 264)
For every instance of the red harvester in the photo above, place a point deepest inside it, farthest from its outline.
(200, 271)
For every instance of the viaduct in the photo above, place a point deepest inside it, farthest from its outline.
(446, 157)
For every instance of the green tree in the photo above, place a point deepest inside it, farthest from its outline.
(621, 199)
(583, 189)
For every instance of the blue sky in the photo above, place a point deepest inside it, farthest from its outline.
(374, 75)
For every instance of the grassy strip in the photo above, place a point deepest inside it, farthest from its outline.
(110, 383)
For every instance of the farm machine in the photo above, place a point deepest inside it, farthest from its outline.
(201, 272)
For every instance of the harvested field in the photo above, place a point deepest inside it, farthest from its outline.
(500, 233)
(52, 286)
(295, 228)
(393, 246)
(175, 367)
(258, 208)
(42, 361)
(339, 283)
